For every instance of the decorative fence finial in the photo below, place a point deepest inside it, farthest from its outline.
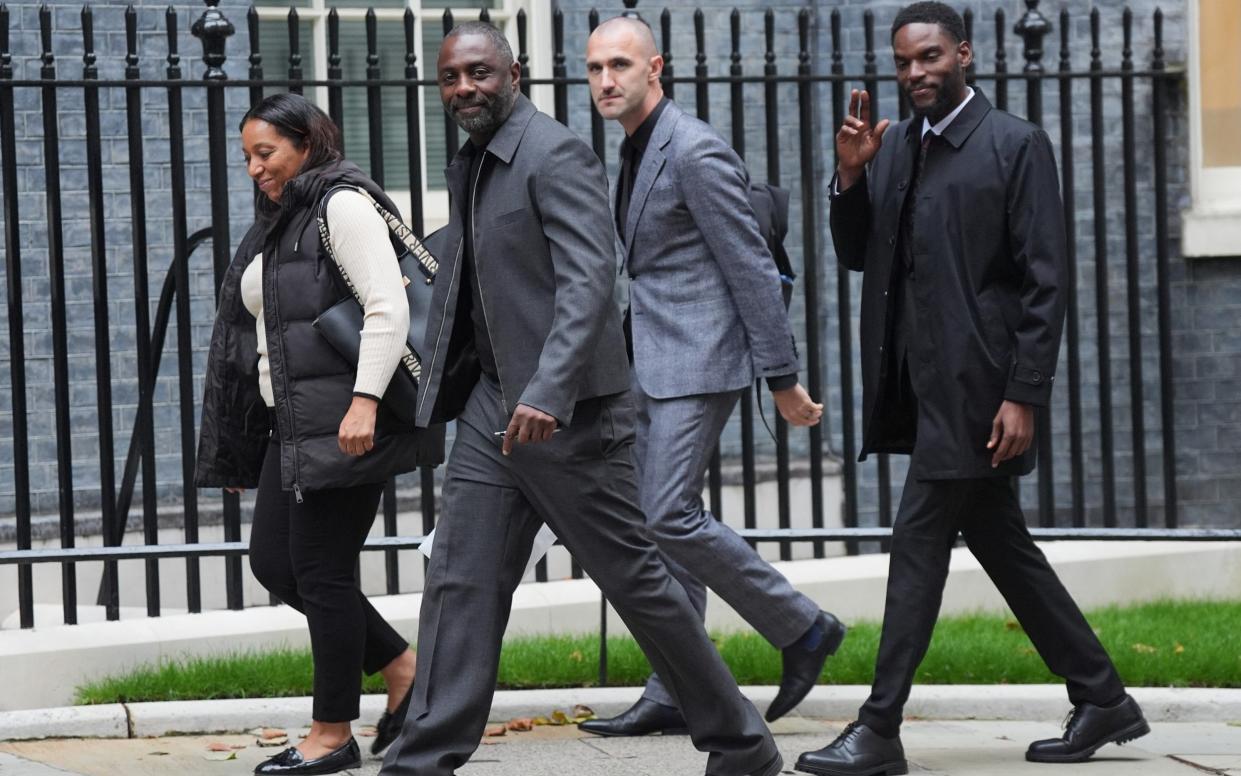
(213, 29)
(1033, 26)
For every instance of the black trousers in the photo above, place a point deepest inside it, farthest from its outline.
(306, 555)
(986, 513)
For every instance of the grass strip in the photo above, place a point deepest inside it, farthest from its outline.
(1166, 644)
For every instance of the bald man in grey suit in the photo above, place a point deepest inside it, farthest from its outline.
(706, 318)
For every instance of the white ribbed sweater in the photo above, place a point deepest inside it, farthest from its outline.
(360, 239)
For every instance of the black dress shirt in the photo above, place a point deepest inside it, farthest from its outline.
(631, 150)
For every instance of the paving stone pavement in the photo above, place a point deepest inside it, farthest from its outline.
(943, 748)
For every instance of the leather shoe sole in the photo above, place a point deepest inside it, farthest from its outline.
(1138, 729)
(885, 769)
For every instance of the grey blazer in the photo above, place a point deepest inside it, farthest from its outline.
(544, 246)
(704, 294)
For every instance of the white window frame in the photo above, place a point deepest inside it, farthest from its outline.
(539, 51)
(1212, 225)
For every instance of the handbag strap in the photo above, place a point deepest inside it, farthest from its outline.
(427, 263)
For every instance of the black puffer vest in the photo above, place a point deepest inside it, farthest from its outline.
(312, 384)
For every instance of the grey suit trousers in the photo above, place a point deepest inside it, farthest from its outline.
(582, 483)
(672, 449)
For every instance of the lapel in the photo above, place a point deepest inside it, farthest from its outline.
(653, 160)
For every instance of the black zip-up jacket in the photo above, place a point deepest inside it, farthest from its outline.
(312, 384)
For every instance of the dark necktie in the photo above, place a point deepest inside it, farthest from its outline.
(624, 187)
(911, 200)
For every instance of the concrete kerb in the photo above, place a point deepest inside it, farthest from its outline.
(939, 702)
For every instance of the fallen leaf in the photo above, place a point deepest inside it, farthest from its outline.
(520, 725)
(219, 746)
(272, 733)
(576, 656)
(581, 710)
(493, 731)
(1145, 649)
(1027, 651)
(158, 754)
(1179, 649)
(220, 756)
(540, 721)
(277, 741)
(559, 717)
(1012, 625)
(367, 731)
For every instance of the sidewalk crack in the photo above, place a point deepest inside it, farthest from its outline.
(1203, 768)
(129, 721)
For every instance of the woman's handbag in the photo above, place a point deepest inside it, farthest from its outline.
(341, 324)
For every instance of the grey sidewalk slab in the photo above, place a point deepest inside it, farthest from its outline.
(943, 748)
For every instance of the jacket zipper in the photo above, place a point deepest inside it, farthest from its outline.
(439, 337)
(478, 274)
(284, 378)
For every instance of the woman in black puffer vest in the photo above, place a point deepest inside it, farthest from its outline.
(283, 412)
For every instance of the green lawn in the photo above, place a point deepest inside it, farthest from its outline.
(1171, 644)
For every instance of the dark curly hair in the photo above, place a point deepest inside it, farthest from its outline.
(930, 12)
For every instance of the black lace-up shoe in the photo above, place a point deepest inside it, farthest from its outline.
(388, 729)
(803, 666)
(1088, 728)
(857, 751)
(291, 761)
(642, 718)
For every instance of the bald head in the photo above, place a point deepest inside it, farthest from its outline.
(623, 67)
(635, 33)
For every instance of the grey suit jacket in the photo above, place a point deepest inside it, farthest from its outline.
(704, 293)
(544, 248)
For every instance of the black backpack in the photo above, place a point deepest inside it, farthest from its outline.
(771, 210)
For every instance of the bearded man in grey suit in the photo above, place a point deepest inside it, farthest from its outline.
(707, 318)
(526, 353)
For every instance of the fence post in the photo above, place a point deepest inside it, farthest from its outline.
(60, 339)
(17, 347)
(214, 29)
(1164, 298)
(1032, 27)
(1072, 335)
(844, 322)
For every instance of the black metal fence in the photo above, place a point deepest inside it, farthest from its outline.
(1068, 79)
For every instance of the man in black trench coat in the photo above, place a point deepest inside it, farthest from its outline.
(955, 219)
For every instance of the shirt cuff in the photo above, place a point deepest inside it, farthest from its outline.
(782, 382)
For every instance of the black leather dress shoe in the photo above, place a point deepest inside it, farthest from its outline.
(858, 751)
(1090, 727)
(388, 729)
(642, 718)
(802, 667)
(291, 761)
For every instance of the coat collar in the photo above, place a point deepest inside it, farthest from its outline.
(503, 145)
(652, 162)
(962, 126)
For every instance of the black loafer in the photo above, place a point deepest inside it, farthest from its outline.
(642, 718)
(858, 751)
(802, 667)
(388, 729)
(291, 761)
(1090, 727)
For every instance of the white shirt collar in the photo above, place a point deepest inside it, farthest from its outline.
(946, 120)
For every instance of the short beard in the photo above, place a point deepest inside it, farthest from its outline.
(491, 116)
(950, 94)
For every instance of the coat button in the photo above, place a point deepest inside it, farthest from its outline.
(901, 186)
(1036, 377)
